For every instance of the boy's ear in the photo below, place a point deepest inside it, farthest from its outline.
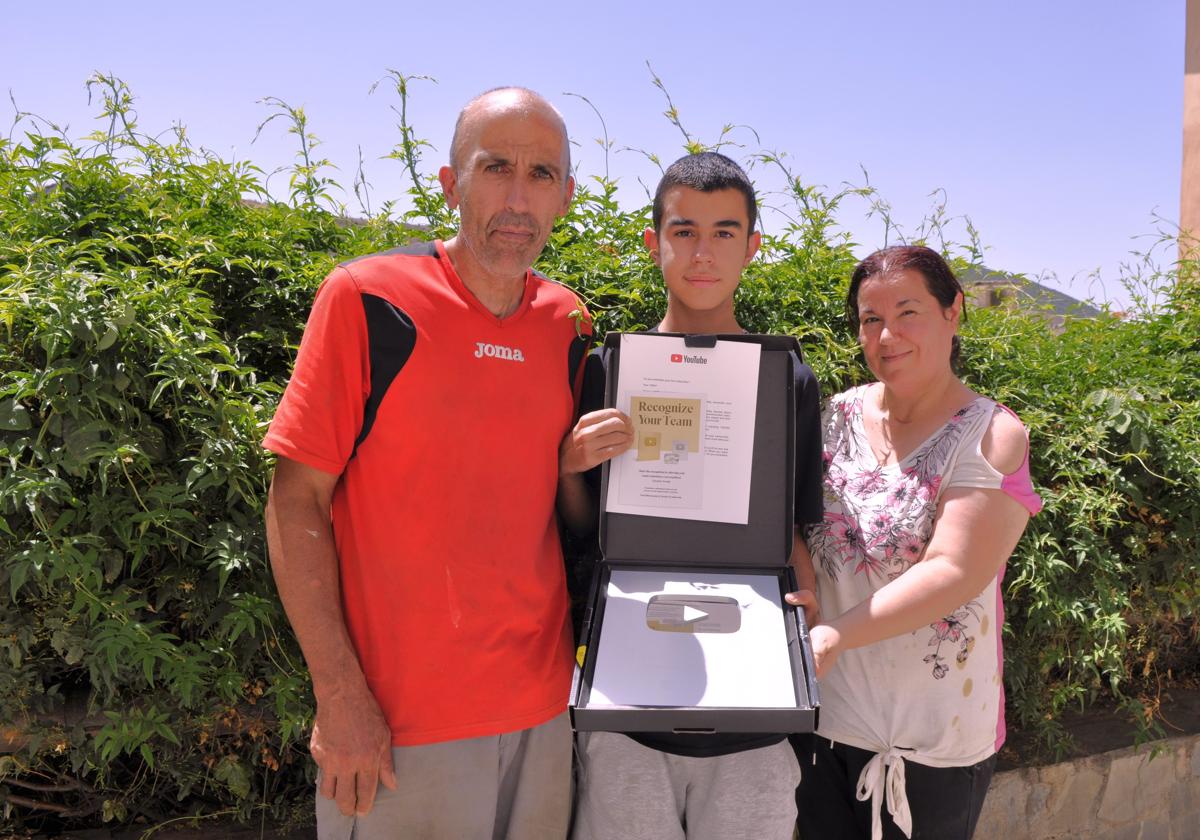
(651, 240)
(752, 245)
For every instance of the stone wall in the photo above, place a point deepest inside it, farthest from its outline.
(1146, 793)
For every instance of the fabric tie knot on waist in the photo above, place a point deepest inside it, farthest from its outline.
(884, 775)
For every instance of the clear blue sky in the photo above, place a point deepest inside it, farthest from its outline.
(1055, 126)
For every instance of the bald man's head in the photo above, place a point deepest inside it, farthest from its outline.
(504, 100)
(509, 178)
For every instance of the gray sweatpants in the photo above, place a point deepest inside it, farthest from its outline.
(632, 792)
(515, 786)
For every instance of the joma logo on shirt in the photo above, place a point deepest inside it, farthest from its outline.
(498, 351)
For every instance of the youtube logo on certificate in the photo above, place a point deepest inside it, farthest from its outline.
(677, 357)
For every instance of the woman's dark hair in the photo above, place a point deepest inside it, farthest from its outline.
(939, 280)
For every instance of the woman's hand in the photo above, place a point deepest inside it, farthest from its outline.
(824, 638)
(826, 646)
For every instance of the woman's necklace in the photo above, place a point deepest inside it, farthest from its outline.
(890, 423)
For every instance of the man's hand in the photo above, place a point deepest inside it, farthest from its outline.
(351, 741)
(597, 437)
(352, 744)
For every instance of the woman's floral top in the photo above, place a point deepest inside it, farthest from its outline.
(934, 695)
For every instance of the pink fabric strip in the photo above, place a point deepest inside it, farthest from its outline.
(1019, 485)
(1001, 729)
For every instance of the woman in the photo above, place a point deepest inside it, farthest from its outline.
(927, 491)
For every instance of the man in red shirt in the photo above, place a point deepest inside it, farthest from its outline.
(411, 519)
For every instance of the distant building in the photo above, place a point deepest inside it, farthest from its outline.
(1189, 203)
(985, 287)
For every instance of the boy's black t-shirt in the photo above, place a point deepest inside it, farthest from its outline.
(809, 508)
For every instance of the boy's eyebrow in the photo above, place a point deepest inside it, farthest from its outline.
(680, 221)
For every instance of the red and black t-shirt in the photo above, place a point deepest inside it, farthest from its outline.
(444, 424)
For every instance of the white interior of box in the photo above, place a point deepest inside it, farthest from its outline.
(687, 665)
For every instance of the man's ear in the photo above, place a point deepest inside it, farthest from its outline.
(449, 181)
(567, 198)
(651, 240)
(752, 245)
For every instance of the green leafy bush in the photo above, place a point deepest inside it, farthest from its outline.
(150, 314)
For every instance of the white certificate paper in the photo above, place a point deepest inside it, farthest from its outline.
(647, 656)
(693, 411)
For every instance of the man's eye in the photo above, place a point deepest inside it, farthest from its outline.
(681, 234)
(543, 175)
(494, 167)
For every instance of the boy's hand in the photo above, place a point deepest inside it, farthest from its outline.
(808, 600)
(598, 436)
(806, 580)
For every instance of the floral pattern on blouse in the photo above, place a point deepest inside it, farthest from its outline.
(879, 519)
(952, 628)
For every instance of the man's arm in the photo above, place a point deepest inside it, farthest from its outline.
(351, 741)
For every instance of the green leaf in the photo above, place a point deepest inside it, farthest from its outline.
(108, 339)
(234, 774)
(14, 417)
(17, 573)
(125, 317)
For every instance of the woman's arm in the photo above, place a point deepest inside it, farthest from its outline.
(974, 533)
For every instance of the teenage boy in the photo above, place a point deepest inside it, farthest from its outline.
(662, 785)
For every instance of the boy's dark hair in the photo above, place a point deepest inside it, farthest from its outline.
(705, 172)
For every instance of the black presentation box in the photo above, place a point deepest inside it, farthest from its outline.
(696, 551)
